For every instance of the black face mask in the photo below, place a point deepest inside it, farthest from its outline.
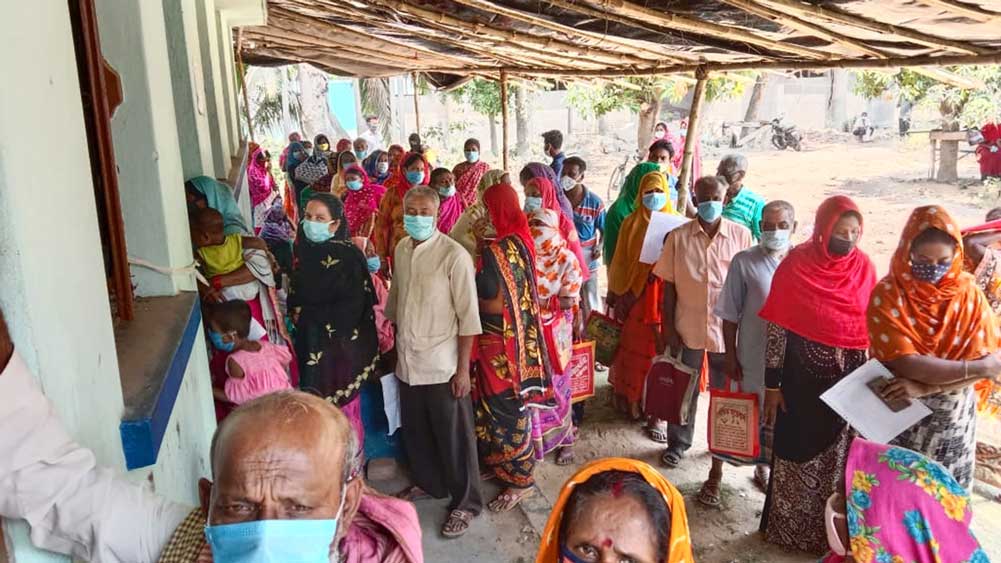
(840, 247)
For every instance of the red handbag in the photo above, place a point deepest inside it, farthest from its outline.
(559, 340)
(668, 390)
(734, 423)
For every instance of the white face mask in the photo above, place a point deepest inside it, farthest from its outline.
(568, 183)
(833, 538)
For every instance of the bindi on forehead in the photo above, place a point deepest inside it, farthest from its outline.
(608, 543)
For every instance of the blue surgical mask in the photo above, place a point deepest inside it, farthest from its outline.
(219, 344)
(353, 185)
(382, 167)
(930, 273)
(472, 156)
(709, 211)
(419, 227)
(274, 541)
(415, 177)
(361, 154)
(777, 240)
(446, 191)
(317, 231)
(655, 201)
(374, 263)
(532, 204)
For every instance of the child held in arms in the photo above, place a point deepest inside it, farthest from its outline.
(222, 254)
(253, 368)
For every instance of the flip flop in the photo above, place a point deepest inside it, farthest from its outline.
(657, 432)
(708, 498)
(508, 500)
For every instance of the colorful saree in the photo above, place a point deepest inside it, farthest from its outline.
(466, 185)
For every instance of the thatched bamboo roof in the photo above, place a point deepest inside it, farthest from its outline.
(450, 39)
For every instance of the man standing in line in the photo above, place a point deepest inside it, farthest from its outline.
(589, 218)
(372, 135)
(745, 334)
(553, 148)
(694, 265)
(742, 206)
(433, 302)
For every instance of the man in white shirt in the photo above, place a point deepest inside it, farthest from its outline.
(371, 135)
(433, 301)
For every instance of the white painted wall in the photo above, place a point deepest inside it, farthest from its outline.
(229, 80)
(208, 27)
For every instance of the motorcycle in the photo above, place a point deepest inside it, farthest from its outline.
(784, 137)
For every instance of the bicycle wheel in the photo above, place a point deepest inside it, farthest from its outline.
(615, 182)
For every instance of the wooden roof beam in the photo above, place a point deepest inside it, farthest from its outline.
(968, 10)
(641, 14)
(838, 15)
(276, 34)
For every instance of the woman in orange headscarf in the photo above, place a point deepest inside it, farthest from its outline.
(932, 326)
(620, 509)
(636, 295)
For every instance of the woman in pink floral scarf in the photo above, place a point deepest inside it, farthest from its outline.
(361, 201)
(262, 185)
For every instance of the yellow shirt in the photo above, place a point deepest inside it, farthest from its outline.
(222, 258)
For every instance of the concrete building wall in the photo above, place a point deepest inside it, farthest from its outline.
(212, 67)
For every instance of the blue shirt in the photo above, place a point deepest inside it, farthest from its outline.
(557, 165)
(589, 218)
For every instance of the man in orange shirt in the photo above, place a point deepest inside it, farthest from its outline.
(693, 265)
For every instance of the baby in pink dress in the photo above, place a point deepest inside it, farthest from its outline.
(255, 368)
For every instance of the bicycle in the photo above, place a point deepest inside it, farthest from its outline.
(619, 174)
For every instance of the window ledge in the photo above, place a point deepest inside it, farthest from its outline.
(153, 352)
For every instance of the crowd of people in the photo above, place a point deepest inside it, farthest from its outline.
(362, 262)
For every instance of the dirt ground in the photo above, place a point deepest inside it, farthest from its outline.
(887, 180)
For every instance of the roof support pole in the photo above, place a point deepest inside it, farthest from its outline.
(417, 107)
(503, 102)
(694, 119)
(243, 82)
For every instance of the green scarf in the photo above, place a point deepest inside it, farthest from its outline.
(623, 206)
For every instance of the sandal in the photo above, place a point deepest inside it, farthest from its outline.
(709, 493)
(671, 459)
(509, 499)
(412, 494)
(657, 431)
(457, 523)
(761, 477)
(565, 456)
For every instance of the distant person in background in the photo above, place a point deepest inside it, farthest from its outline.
(469, 172)
(553, 147)
(863, 129)
(389, 228)
(343, 160)
(361, 148)
(361, 201)
(905, 106)
(372, 135)
(343, 144)
(989, 151)
(982, 249)
(474, 225)
(415, 144)
(679, 156)
(450, 206)
(293, 137)
(742, 206)
(816, 315)
(589, 218)
(396, 153)
(377, 167)
(261, 186)
(661, 153)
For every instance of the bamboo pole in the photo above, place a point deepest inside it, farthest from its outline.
(417, 108)
(694, 115)
(503, 101)
(968, 10)
(243, 79)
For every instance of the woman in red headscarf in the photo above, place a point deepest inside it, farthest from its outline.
(989, 151)
(816, 335)
(361, 201)
(511, 366)
(389, 220)
(541, 193)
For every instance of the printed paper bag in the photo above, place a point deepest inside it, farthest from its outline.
(582, 371)
(668, 389)
(559, 340)
(733, 423)
(606, 332)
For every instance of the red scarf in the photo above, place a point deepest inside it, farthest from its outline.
(359, 206)
(820, 296)
(506, 215)
(569, 231)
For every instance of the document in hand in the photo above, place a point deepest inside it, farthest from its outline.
(656, 232)
(391, 400)
(865, 411)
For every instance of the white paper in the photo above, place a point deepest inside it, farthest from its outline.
(656, 231)
(866, 412)
(391, 400)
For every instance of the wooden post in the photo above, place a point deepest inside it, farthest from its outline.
(417, 108)
(243, 79)
(503, 102)
(684, 176)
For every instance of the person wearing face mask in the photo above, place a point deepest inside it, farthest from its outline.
(283, 450)
(474, 225)
(661, 153)
(624, 204)
(816, 315)
(377, 167)
(543, 186)
(589, 219)
(371, 135)
(414, 170)
(433, 301)
(316, 167)
(361, 149)
(745, 336)
(883, 510)
(253, 368)
(451, 206)
(261, 186)
(337, 182)
(553, 147)
(361, 201)
(934, 329)
(742, 206)
(693, 265)
(387, 334)
(635, 296)
(331, 304)
(469, 173)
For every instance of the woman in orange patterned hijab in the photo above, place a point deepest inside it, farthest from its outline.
(932, 326)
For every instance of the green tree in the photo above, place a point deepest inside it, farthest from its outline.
(958, 107)
(484, 97)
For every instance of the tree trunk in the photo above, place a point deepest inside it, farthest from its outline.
(837, 99)
(493, 134)
(649, 112)
(316, 117)
(521, 119)
(602, 124)
(287, 125)
(948, 152)
(754, 105)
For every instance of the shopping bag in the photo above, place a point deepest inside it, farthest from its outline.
(606, 332)
(559, 340)
(668, 390)
(582, 371)
(733, 423)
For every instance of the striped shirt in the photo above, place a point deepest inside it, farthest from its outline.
(745, 209)
(589, 218)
